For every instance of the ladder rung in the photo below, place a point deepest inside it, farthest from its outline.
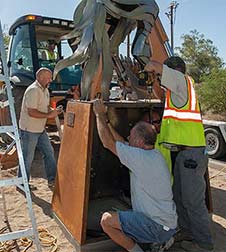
(11, 135)
(10, 182)
(16, 234)
(5, 129)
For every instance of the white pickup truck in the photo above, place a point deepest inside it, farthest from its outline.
(215, 132)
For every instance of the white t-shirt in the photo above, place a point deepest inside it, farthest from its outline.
(35, 97)
(175, 81)
(151, 191)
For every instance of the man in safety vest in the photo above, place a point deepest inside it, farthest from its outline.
(50, 53)
(182, 128)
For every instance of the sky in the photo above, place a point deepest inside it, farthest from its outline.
(208, 17)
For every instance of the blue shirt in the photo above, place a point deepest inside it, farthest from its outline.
(151, 191)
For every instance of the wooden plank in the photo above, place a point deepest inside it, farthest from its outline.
(70, 199)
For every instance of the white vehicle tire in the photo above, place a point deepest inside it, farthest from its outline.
(216, 147)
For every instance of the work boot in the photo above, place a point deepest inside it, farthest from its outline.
(192, 246)
(51, 185)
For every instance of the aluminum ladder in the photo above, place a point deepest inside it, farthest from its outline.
(22, 182)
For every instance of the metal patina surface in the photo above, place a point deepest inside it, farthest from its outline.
(93, 43)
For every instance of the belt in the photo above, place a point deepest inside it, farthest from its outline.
(177, 148)
(189, 147)
(185, 147)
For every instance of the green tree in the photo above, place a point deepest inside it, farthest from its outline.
(6, 39)
(200, 55)
(212, 91)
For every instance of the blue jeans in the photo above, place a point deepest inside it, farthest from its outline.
(29, 142)
(142, 229)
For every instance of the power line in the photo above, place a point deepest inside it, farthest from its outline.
(171, 14)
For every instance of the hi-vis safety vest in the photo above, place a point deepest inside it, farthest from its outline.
(166, 154)
(183, 126)
(51, 55)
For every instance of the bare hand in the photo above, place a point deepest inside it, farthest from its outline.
(154, 67)
(99, 108)
(53, 114)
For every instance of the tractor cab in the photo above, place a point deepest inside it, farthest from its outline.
(29, 50)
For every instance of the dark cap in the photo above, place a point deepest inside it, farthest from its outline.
(176, 63)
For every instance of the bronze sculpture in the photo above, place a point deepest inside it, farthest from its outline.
(92, 41)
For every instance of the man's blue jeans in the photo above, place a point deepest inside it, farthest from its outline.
(29, 143)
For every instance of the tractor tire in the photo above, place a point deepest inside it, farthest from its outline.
(215, 144)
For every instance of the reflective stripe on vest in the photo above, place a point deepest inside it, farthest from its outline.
(182, 115)
(182, 126)
(191, 113)
(51, 55)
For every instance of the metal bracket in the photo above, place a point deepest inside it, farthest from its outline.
(70, 119)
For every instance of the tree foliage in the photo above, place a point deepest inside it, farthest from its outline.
(212, 91)
(6, 39)
(200, 55)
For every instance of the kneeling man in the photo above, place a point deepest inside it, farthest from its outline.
(153, 216)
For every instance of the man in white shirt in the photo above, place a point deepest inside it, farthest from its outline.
(35, 111)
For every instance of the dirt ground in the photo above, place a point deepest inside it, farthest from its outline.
(18, 214)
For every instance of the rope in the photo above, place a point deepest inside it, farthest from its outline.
(26, 243)
(46, 239)
(8, 246)
(217, 174)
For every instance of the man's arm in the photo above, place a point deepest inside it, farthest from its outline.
(37, 114)
(116, 135)
(31, 100)
(105, 135)
(158, 91)
(108, 135)
(171, 79)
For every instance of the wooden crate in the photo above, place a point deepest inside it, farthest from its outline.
(90, 179)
